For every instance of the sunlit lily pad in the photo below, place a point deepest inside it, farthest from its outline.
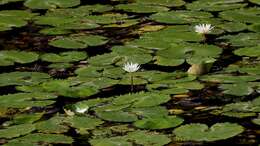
(78, 42)
(72, 56)
(180, 17)
(240, 109)
(212, 5)
(248, 51)
(159, 123)
(22, 78)
(36, 138)
(14, 18)
(249, 15)
(137, 137)
(12, 57)
(171, 3)
(16, 131)
(219, 131)
(27, 100)
(2, 2)
(49, 4)
(141, 8)
(242, 39)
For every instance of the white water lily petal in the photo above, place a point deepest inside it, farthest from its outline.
(131, 67)
(81, 110)
(203, 28)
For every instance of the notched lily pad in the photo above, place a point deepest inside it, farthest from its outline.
(78, 42)
(159, 123)
(219, 131)
(141, 8)
(71, 56)
(11, 57)
(16, 131)
(50, 4)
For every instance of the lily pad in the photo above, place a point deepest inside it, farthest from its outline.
(180, 17)
(242, 39)
(71, 56)
(219, 131)
(37, 138)
(137, 137)
(22, 78)
(249, 15)
(192, 53)
(141, 8)
(50, 4)
(2, 2)
(248, 51)
(11, 57)
(78, 42)
(16, 130)
(172, 3)
(159, 123)
(26, 100)
(212, 5)
(14, 18)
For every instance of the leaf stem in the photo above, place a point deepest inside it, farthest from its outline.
(132, 82)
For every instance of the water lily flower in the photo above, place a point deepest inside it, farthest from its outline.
(81, 110)
(131, 67)
(203, 28)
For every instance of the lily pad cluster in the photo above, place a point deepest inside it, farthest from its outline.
(88, 43)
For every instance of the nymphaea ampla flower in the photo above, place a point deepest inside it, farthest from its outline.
(81, 110)
(131, 67)
(203, 28)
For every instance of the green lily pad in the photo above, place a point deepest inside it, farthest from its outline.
(219, 131)
(50, 4)
(180, 17)
(14, 18)
(54, 31)
(172, 3)
(240, 109)
(120, 55)
(148, 138)
(2, 2)
(255, 1)
(240, 89)
(25, 100)
(193, 53)
(60, 66)
(242, 39)
(78, 42)
(137, 137)
(82, 124)
(249, 15)
(233, 26)
(141, 99)
(11, 57)
(37, 138)
(212, 5)
(256, 121)
(53, 125)
(159, 123)
(16, 131)
(69, 88)
(248, 51)
(113, 141)
(131, 114)
(71, 56)
(226, 78)
(141, 8)
(22, 78)
(24, 118)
